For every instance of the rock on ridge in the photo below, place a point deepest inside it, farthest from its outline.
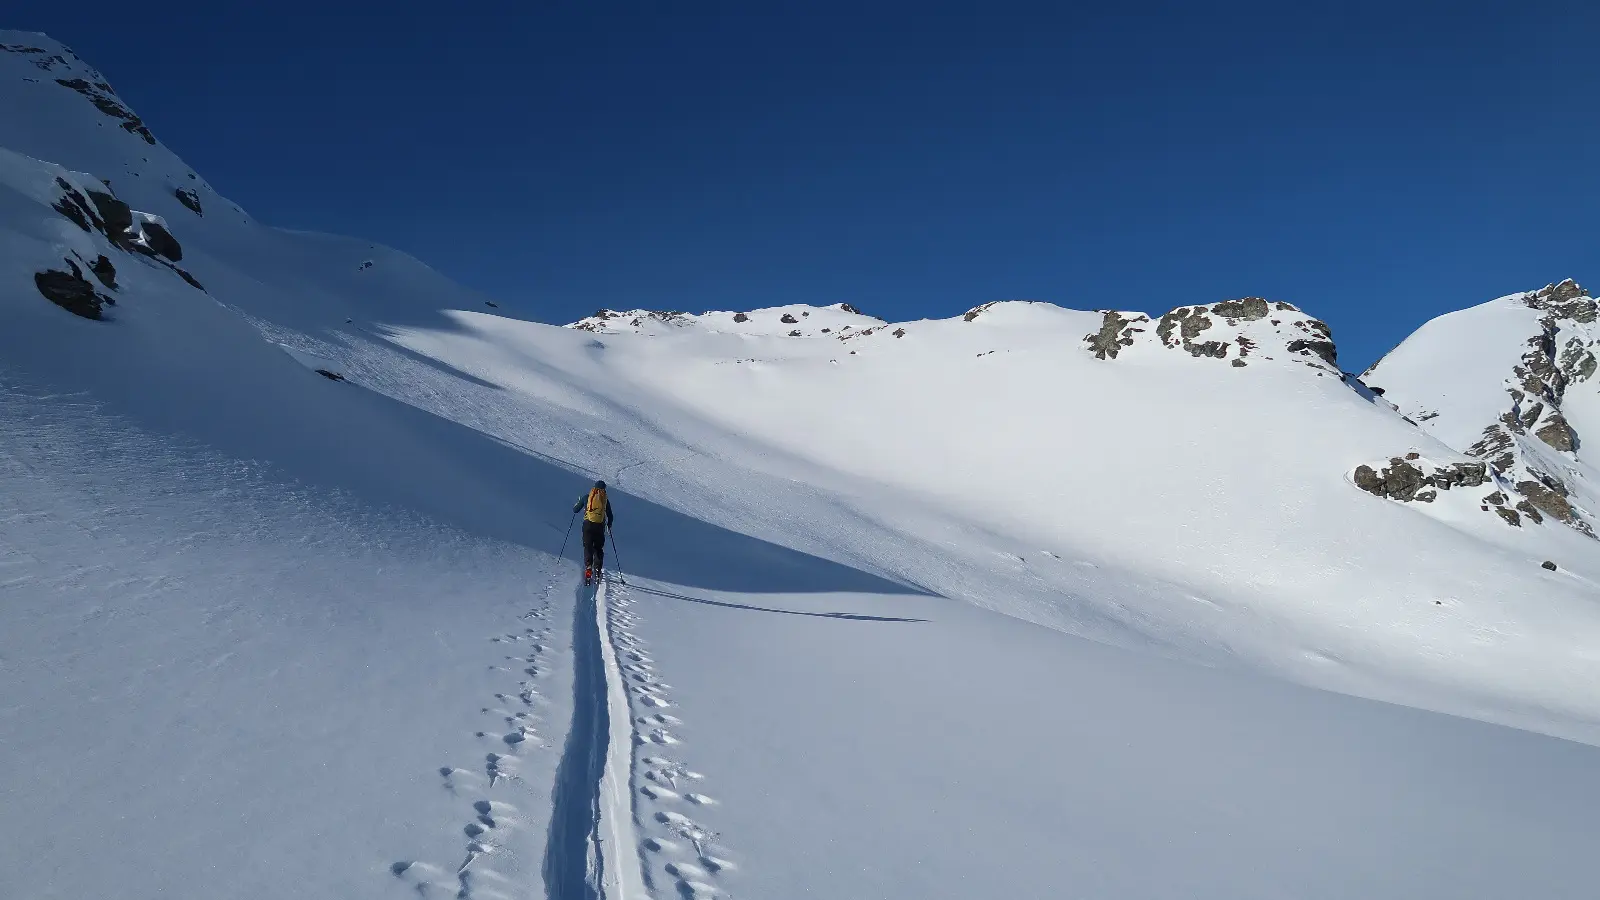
(1230, 330)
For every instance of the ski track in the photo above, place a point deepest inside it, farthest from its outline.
(570, 862)
(692, 858)
(488, 819)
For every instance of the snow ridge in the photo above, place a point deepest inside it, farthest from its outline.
(1536, 350)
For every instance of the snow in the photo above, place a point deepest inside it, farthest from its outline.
(950, 608)
(1455, 366)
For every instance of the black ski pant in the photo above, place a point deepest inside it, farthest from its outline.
(594, 545)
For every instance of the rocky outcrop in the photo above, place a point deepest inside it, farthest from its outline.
(104, 99)
(160, 240)
(103, 213)
(72, 292)
(1232, 330)
(603, 319)
(977, 311)
(1518, 444)
(104, 271)
(191, 199)
(1117, 331)
(1405, 480)
(1186, 322)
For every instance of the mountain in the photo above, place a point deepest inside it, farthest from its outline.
(1030, 601)
(1510, 382)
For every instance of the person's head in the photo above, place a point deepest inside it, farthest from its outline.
(600, 485)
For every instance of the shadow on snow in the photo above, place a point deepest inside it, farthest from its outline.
(788, 612)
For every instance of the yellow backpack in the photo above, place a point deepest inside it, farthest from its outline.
(596, 510)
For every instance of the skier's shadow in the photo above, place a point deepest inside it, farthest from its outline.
(858, 617)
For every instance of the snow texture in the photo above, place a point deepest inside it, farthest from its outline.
(1027, 602)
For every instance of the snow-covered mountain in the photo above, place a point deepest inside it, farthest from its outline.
(1510, 382)
(1031, 601)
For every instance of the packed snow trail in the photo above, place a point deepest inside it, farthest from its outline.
(570, 864)
(616, 846)
(591, 852)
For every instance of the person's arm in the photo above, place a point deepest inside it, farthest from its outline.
(610, 516)
(577, 506)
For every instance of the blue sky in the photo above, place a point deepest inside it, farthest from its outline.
(1376, 164)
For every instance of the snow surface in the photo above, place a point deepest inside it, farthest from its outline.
(947, 609)
(1457, 376)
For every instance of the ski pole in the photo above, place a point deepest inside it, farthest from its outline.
(615, 554)
(574, 520)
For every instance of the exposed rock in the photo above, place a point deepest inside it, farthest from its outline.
(104, 271)
(1399, 481)
(1367, 479)
(1247, 309)
(331, 376)
(740, 317)
(162, 242)
(1402, 480)
(976, 311)
(1239, 364)
(116, 215)
(899, 332)
(1558, 434)
(845, 307)
(191, 199)
(1321, 348)
(1567, 300)
(1461, 474)
(189, 278)
(1527, 509)
(100, 94)
(794, 333)
(1509, 515)
(71, 291)
(1413, 455)
(1116, 331)
(73, 205)
(1216, 349)
(1187, 321)
(365, 265)
(1547, 564)
(1496, 499)
(1548, 501)
(789, 319)
(1496, 447)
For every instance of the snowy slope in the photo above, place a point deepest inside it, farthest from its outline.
(1511, 382)
(265, 631)
(1155, 499)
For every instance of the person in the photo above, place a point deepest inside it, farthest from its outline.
(597, 517)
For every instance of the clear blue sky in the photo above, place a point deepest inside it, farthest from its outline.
(1375, 163)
